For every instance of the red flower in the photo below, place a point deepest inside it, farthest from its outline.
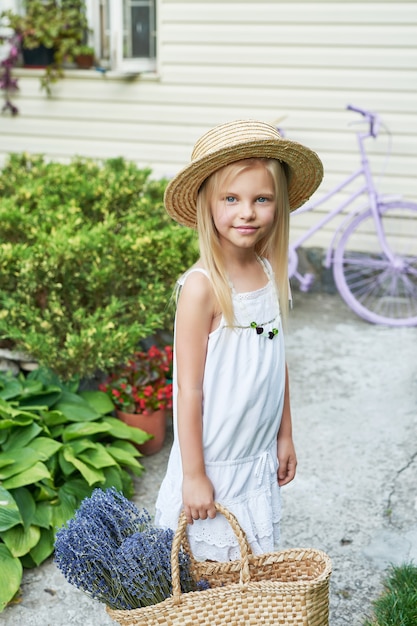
(148, 391)
(143, 384)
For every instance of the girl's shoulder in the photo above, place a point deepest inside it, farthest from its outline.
(196, 285)
(192, 270)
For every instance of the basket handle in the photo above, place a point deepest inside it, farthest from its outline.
(180, 539)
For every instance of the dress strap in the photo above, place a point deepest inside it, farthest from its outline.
(266, 264)
(184, 277)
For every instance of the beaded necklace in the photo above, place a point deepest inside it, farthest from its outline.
(259, 326)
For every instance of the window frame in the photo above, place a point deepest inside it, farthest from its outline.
(116, 61)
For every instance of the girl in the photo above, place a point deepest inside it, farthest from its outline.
(232, 420)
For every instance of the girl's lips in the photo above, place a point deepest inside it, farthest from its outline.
(246, 230)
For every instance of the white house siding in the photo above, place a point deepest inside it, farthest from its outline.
(296, 64)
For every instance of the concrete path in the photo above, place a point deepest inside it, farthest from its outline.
(354, 403)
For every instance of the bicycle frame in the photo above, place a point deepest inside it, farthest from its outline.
(373, 198)
(310, 206)
(379, 286)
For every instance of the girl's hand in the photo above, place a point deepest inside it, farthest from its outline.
(198, 498)
(287, 460)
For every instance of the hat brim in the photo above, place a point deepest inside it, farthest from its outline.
(305, 171)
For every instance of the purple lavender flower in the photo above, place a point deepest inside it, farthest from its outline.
(203, 584)
(111, 551)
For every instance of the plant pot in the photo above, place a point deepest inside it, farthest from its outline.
(38, 58)
(84, 61)
(153, 424)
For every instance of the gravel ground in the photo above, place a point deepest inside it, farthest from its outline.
(354, 403)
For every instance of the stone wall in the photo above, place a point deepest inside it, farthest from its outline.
(15, 361)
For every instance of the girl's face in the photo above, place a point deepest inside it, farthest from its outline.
(243, 207)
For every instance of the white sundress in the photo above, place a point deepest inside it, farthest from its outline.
(243, 391)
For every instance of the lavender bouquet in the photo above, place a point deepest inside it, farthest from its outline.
(111, 551)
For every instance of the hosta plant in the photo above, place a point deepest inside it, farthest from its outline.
(57, 445)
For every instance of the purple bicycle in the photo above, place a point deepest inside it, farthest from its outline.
(379, 285)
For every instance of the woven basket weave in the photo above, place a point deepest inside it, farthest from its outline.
(290, 587)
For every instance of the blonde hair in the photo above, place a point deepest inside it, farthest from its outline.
(274, 247)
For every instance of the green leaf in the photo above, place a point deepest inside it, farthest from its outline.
(114, 478)
(27, 561)
(16, 414)
(76, 413)
(32, 387)
(43, 514)
(66, 468)
(5, 461)
(54, 418)
(37, 393)
(22, 458)
(123, 457)
(9, 511)
(98, 457)
(20, 437)
(37, 472)
(44, 547)
(127, 482)
(75, 408)
(80, 445)
(76, 487)
(45, 447)
(19, 420)
(126, 446)
(56, 432)
(84, 429)
(10, 387)
(26, 504)
(21, 541)
(120, 430)
(91, 475)
(10, 576)
(41, 399)
(63, 511)
(45, 492)
(47, 377)
(99, 400)
(6, 408)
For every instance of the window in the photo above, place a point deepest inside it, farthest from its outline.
(124, 33)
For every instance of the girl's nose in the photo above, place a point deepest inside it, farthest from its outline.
(247, 210)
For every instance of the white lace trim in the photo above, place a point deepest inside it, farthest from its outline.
(259, 516)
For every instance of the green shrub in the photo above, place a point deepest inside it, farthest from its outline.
(56, 446)
(88, 260)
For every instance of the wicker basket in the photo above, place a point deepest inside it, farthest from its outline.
(290, 587)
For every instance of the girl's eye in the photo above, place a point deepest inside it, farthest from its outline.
(262, 199)
(230, 199)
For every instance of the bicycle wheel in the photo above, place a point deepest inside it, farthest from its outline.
(375, 288)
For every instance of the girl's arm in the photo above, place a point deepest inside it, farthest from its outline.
(194, 318)
(286, 452)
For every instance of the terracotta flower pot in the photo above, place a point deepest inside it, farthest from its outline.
(154, 424)
(84, 61)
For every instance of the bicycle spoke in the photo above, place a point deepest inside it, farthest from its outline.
(381, 289)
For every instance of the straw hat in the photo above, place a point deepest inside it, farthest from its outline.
(233, 141)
